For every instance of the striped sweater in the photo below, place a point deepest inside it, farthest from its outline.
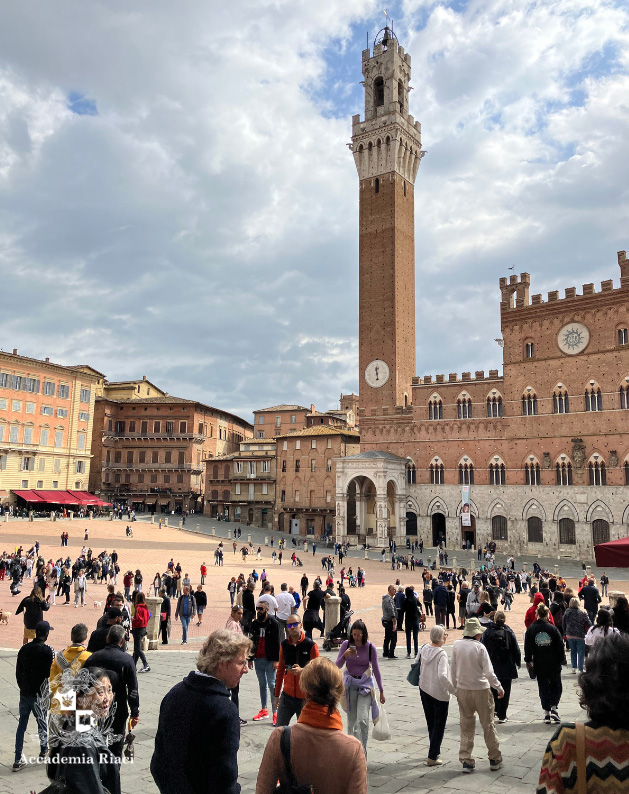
(607, 761)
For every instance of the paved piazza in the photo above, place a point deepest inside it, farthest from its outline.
(394, 766)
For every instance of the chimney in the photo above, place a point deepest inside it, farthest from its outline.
(143, 377)
(312, 408)
(15, 351)
(47, 360)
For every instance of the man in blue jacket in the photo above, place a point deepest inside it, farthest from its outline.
(198, 713)
(440, 601)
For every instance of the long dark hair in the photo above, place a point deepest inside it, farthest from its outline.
(605, 683)
(604, 621)
(360, 626)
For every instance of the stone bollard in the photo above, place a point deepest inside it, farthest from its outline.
(30, 515)
(90, 515)
(332, 613)
(556, 567)
(152, 519)
(198, 528)
(229, 534)
(111, 516)
(70, 515)
(305, 547)
(6, 518)
(213, 532)
(454, 563)
(249, 538)
(366, 554)
(472, 566)
(266, 540)
(152, 630)
(588, 570)
(524, 566)
(180, 523)
(166, 521)
(613, 596)
(53, 516)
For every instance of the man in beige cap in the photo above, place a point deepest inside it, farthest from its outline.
(473, 676)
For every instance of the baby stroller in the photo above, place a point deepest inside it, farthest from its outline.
(299, 562)
(352, 580)
(338, 635)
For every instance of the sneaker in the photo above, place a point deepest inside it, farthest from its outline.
(554, 715)
(275, 718)
(394, 657)
(502, 720)
(263, 714)
(433, 762)
(547, 717)
(146, 669)
(408, 656)
(18, 765)
(467, 768)
(242, 722)
(495, 765)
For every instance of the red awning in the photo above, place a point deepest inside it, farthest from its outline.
(57, 497)
(614, 554)
(29, 496)
(84, 497)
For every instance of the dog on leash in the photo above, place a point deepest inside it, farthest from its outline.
(98, 604)
(4, 617)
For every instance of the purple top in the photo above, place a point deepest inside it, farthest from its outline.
(356, 665)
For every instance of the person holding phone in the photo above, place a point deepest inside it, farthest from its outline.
(360, 659)
(296, 651)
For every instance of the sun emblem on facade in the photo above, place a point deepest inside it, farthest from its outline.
(573, 338)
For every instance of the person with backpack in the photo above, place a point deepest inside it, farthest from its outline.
(505, 656)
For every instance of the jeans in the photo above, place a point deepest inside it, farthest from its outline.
(27, 705)
(436, 713)
(358, 711)
(287, 708)
(185, 622)
(577, 651)
(414, 630)
(440, 616)
(127, 593)
(266, 679)
(390, 639)
(550, 688)
(138, 634)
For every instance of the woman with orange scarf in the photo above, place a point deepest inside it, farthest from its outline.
(321, 755)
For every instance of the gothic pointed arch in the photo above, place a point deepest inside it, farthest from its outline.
(496, 507)
(437, 505)
(565, 509)
(533, 508)
(473, 508)
(599, 509)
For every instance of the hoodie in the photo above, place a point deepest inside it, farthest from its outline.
(530, 616)
(434, 675)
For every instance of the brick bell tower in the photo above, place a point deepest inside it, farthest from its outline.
(387, 152)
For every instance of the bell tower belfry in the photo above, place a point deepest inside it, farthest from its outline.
(387, 152)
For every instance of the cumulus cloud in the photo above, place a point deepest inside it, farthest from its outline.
(177, 200)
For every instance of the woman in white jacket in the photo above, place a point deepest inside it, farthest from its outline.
(435, 688)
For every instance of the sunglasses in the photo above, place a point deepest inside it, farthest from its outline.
(291, 625)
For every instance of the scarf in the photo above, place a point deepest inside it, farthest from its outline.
(317, 716)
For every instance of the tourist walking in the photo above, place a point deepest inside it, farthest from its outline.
(473, 676)
(265, 657)
(185, 611)
(591, 598)
(200, 600)
(234, 624)
(389, 621)
(138, 629)
(164, 616)
(505, 656)
(322, 757)
(575, 625)
(411, 612)
(362, 673)
(33, 607)
(544, 653)
(435, 688)
(296, 651)
(601, 629)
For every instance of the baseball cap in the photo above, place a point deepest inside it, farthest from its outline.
(43, 627)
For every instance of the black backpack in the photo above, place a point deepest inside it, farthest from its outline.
(500, 645)
(291, 786)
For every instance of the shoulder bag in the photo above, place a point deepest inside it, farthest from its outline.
(291, 786)
(413, 673)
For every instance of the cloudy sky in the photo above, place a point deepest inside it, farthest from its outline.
(177, 199)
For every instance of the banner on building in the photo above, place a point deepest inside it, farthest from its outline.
(465, 506)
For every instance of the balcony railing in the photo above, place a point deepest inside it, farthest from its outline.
(174, 436)
(197, 468)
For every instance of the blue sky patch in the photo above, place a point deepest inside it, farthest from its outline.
(81, 105)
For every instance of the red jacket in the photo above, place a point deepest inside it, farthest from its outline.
(141, 617)
(530, 616)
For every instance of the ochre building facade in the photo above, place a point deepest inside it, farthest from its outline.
(544, 446)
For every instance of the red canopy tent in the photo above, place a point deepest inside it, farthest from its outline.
(614, 554)
(57, 497)
(87, 498)
(29, 496)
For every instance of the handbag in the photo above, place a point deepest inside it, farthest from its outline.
(291, 786)
(381, 731)
(413, 673)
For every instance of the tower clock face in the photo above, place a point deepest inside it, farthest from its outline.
(573, 338)
(377, 373)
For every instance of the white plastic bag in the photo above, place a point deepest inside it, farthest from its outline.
(381, 731)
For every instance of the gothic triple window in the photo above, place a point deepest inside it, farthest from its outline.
(593, 399)
(435, 409)
(532, 473)
(494, 407)
(529, 404)
(624, 398)
(623, 336)
(466, 474)
(437, 474)
(561, 403)
(596, 470)
(411, 474)
(564, 473)
(497, 474)
(464, 408)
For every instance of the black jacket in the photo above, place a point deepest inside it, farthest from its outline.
(33, 667)
(504, 651)
(98, 638)
(197, 739)
(543, 645)
(125, 687)
(271, 638)
(590, 597)
(411, 611)
(33, 610)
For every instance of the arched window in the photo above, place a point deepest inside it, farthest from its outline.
(593, 399)
(435, 408)
(437, 473)
(596, 470)
(377, 185)
(561, 403)
(215, 472)
(623, 336)
(226, 472)
(283, 465)
(624, 398)
(411, 474)
(226, 496)
(215, 495)
(535, 531)
(600, 531)
(532, 473)
(378, 92)
(529, 350)
(567, 534)
(464, 408)
(466, 474)
(496, 474)
(564, 473)
(529, 404)
(297, 465)
(494, 406)
(499, 529)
